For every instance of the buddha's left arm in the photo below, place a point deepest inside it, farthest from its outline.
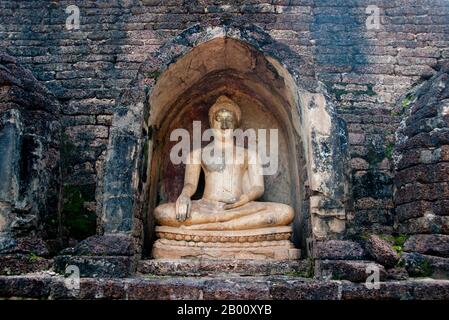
(255, 175)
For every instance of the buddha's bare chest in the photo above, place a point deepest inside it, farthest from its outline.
(223, 177)
(221, 163)
(224, 185)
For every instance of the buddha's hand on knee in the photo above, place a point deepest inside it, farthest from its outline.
(244, 199)
(183, 206)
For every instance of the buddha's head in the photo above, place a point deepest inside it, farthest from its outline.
(224, 115)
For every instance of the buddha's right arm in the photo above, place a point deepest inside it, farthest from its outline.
(192, 175)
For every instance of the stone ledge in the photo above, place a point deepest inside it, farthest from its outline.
(420, 265)
(430, 244)
(208, 267)
(352, 270)
(26, 286)
(339, 250)
(425, 225)
(105, 245)
(97, 266)
(422, 289)
(40, 286)
(15, 264)
(23, 245)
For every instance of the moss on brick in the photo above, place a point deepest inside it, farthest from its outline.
(34, 257)
(396, 241)
(154, 74)
(340, 92)
(422, 270)
(389, 150)
(407, 101)
(405, 104)
(373, 156)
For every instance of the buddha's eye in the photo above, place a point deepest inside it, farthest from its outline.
(225, 116)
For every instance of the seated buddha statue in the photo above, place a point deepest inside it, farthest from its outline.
(228, 207)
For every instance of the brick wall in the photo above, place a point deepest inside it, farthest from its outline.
(367, 70)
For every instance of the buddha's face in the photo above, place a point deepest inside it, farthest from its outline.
(224, 119)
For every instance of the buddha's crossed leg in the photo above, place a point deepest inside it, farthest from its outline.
(249, 216)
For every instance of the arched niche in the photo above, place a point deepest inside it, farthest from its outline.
(178, 84)
(186, 90)
(255, 115)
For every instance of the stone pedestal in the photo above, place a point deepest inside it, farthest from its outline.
(266, 243)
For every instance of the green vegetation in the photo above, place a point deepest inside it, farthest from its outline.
(373, 156)
(309, 272)
(396, 241)
(68, 149)
(340, 92)
(407, 101)
(6, 271)
(399, 240)
(422, 269)
(154, 74)
(389, 150)
(33, 257)
(337, 277)
(79, 221)
(426, 269)
(405, 104)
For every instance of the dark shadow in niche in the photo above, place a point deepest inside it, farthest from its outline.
(200, 189)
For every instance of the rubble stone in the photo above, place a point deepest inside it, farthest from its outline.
(382, 251)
